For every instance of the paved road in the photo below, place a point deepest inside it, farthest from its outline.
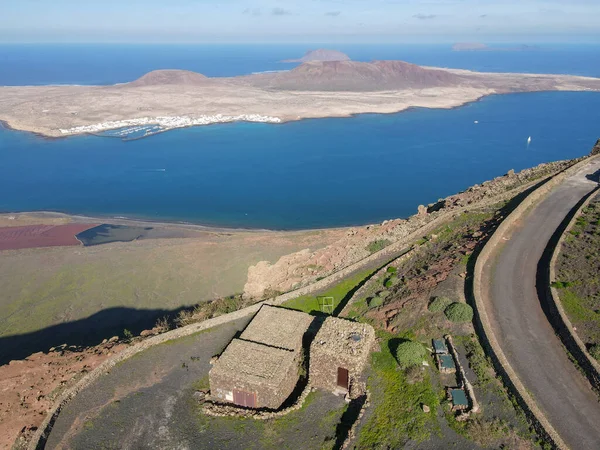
(522, 329)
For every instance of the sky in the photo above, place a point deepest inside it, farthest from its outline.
(276, 21)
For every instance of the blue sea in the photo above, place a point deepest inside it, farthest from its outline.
(307, 174)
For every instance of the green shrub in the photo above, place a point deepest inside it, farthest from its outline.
(128, 334)
(595, 351)
(439, 304)
(380, 244)
(561, 284)
(410, 354)
(391, 269)
(375, 302)
(459, 312)
(389, 282)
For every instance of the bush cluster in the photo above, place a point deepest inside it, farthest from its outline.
(439, 304)
(410, 354)
(375, 302)
(459, 312)
(595, 351)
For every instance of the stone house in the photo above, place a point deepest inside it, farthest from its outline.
(339, 354)
(261, 368)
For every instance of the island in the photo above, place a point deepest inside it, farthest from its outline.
(480, 47)
(166, 99)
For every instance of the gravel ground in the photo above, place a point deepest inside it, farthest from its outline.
(146, 402)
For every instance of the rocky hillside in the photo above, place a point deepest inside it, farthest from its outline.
(357, 76)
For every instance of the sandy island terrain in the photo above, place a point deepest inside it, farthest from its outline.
(314, 89)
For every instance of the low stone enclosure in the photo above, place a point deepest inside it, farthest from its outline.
(258, 372)
(462, 397)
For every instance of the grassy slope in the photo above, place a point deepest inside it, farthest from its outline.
(577, 274)
(339, 292)
(43, 287)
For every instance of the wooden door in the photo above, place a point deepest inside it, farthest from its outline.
(247, 399)
(342, 377)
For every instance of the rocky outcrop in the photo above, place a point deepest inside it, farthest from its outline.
(596, 149)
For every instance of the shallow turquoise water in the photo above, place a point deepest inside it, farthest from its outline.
(313, 173)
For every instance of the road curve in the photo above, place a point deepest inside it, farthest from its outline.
(522, 329)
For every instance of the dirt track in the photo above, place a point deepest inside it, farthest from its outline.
(522, 328)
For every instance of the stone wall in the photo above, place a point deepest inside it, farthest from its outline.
(463, 377)
(217, 409)
(567, 333)
(482, 320)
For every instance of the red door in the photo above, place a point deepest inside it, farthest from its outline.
(247, 399)
(342, 377)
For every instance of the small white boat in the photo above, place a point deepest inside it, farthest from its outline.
(477, 121)
(528, 140)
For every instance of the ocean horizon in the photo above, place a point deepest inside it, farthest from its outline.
(314, 173)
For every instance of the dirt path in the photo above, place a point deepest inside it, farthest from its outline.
(522, 328)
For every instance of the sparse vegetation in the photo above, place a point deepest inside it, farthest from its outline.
(561, 284)
(397, 415)
(379, 244)
(577, 275)
(214, 308)
(459, 312)
(595, 351)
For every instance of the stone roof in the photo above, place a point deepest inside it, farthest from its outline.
(447, 362)
(459, 398)
(440, 346)
(340, 337)
(254, 363)
(278, 327)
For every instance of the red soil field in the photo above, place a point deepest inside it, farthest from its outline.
(32, 236)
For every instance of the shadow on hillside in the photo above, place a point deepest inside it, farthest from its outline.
(82, 333)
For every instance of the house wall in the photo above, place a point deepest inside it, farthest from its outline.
(323, 369)
(222, 387)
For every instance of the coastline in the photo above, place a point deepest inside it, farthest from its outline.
(283, 119)
(133, 221)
